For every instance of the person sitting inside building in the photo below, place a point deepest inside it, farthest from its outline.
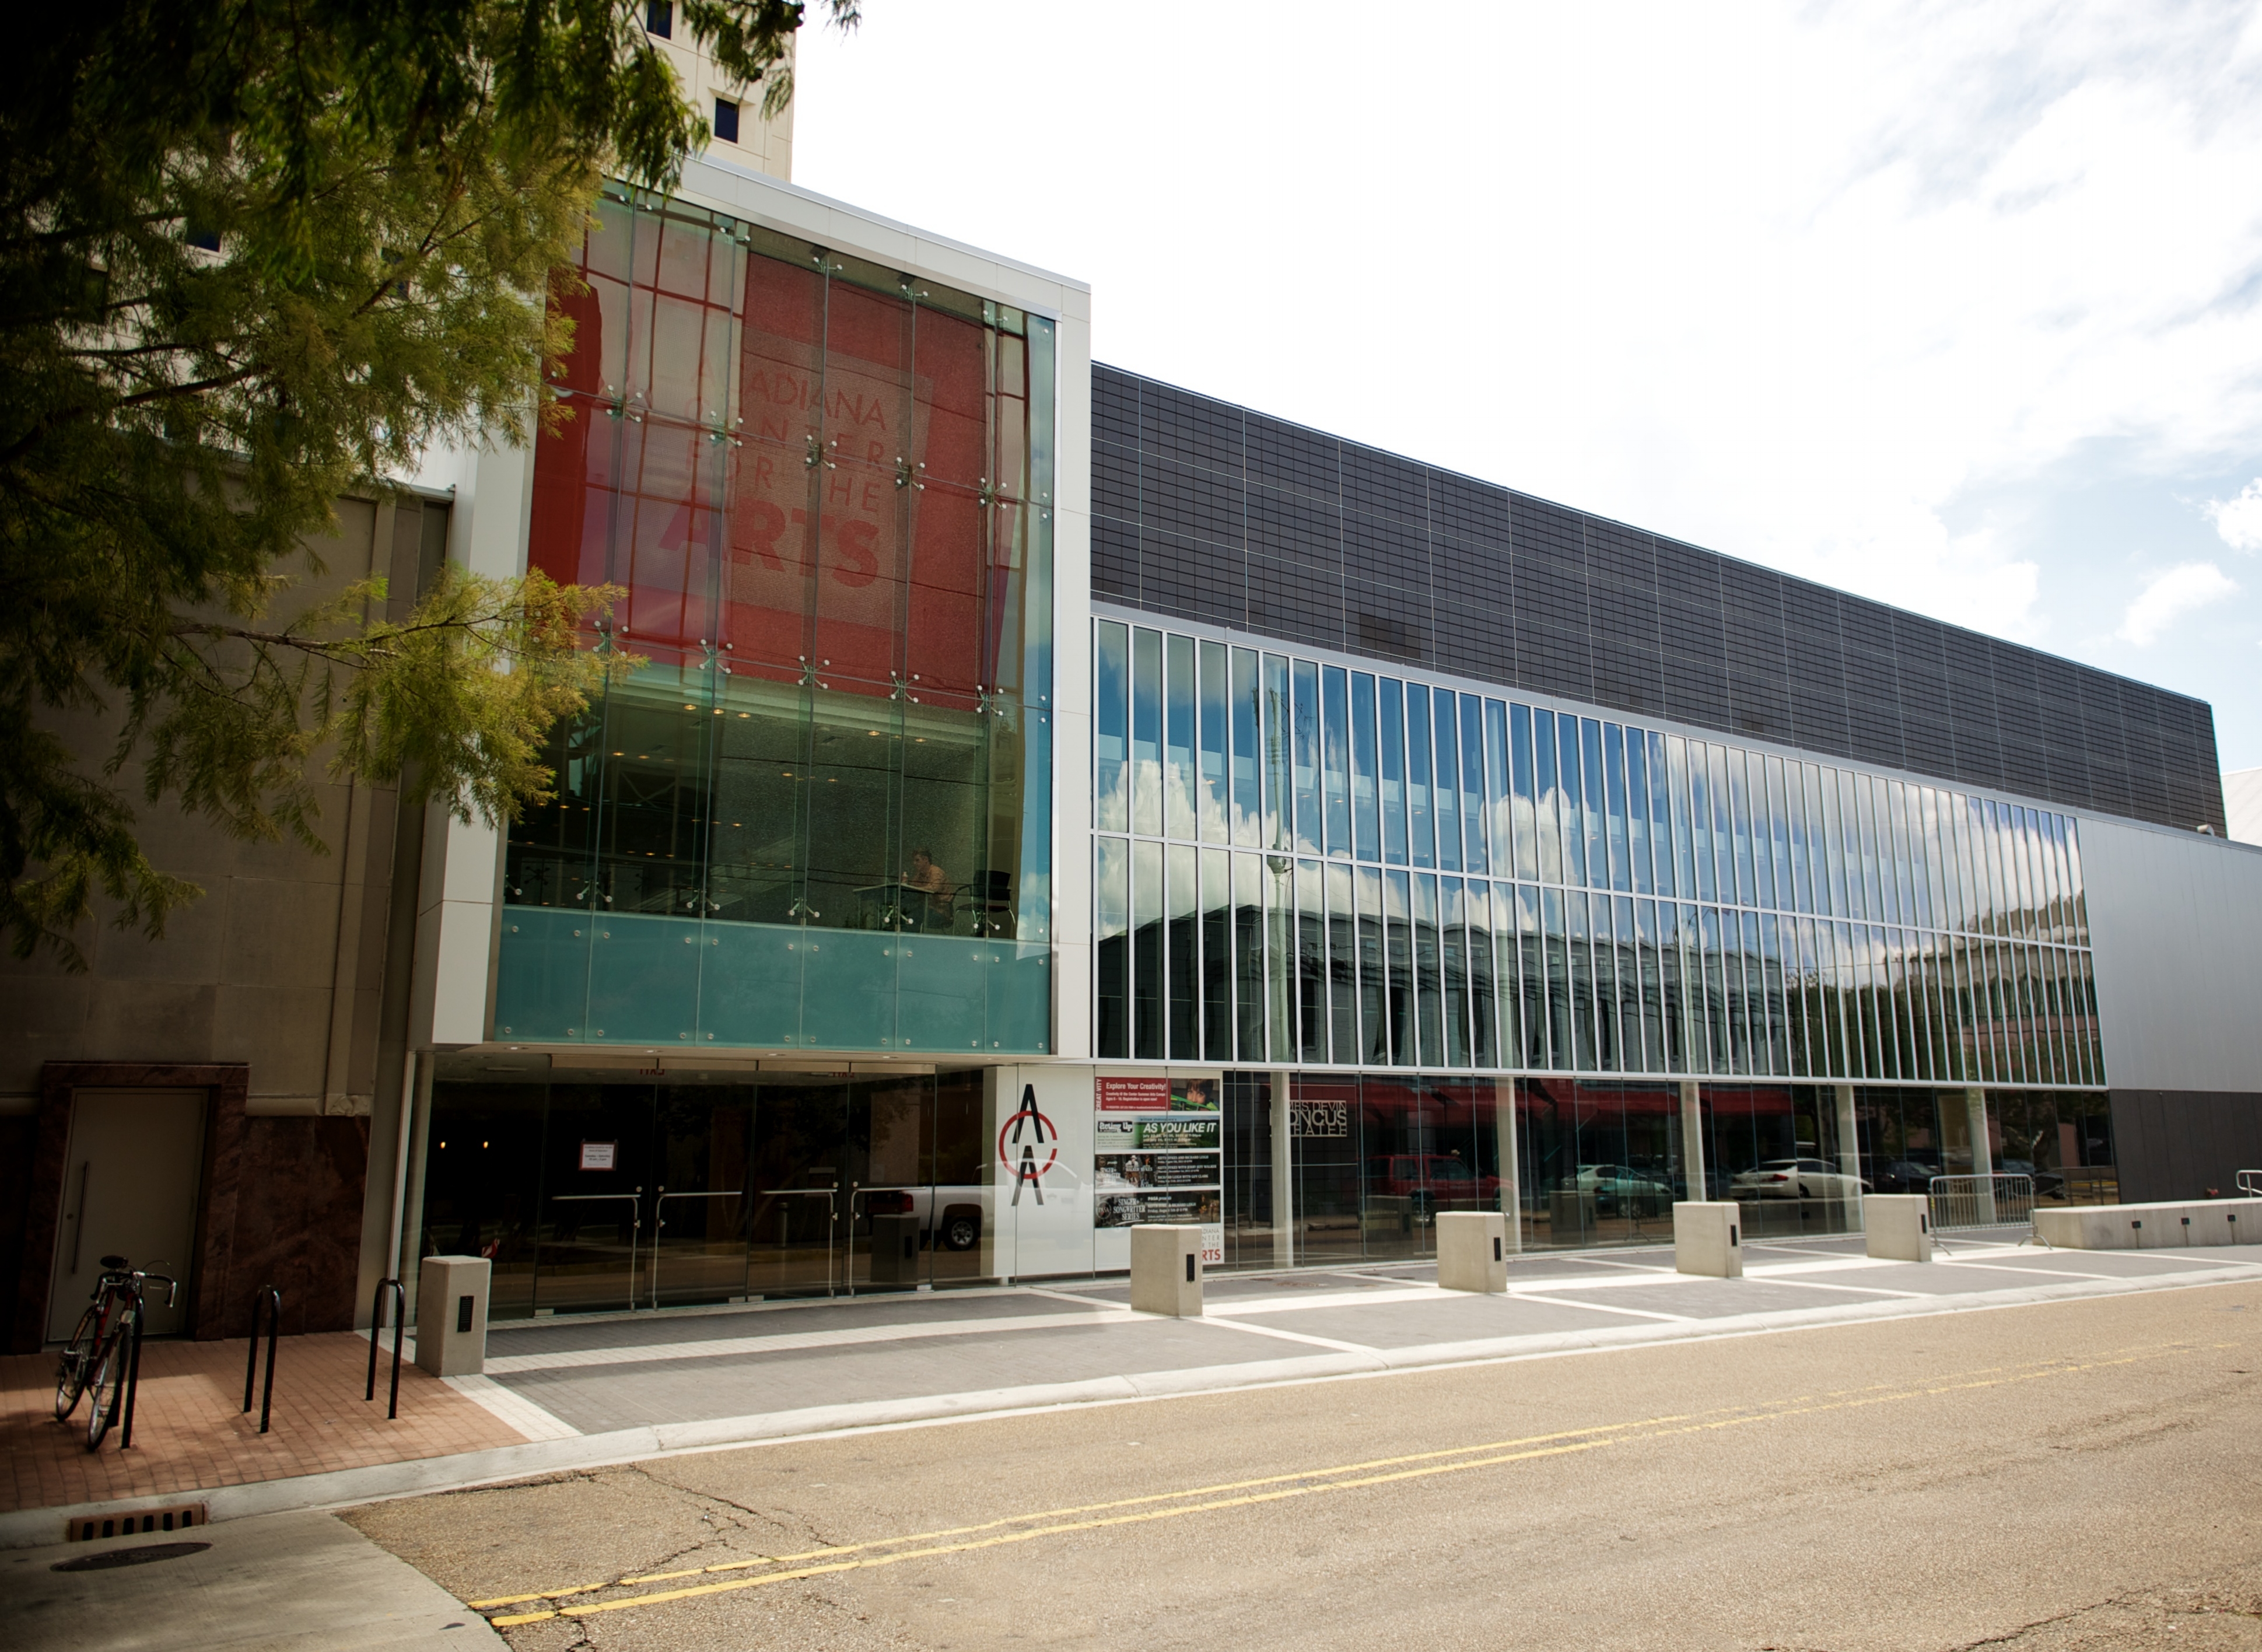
(935, 909)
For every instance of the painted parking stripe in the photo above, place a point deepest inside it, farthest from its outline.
(1310, 1482)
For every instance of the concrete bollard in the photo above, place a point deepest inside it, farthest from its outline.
(895, 1250)
(452, 1315)
(1708, 1239)
(1472, 1250)
(1166, 1274)
(1899, 1226)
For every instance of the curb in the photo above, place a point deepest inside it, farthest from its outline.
(27, 1528)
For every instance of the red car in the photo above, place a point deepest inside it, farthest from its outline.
(1432, 1181)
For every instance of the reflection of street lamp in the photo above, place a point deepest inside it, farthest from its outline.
(1278, 865)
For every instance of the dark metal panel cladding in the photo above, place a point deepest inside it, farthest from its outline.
(1204, 511)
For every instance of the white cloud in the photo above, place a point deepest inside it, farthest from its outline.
(2171, 594)
(2239, 521)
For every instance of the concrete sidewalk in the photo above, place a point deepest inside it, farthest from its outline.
(288, 1582)
(571, 1393)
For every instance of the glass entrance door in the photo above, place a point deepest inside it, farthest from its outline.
(696, 1250)
(597, 1181)
(797, 1187)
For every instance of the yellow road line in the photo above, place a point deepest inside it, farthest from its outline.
(1090, 1508)
(1347, 1477)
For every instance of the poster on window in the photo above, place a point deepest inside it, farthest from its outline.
(1158, 1155)
(1180, 1094)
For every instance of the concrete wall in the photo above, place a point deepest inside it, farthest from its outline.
(282, 966)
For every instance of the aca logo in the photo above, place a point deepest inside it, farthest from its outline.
(1019, 1141)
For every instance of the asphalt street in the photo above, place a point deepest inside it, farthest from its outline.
(2066, 1475)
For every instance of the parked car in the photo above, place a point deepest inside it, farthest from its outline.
(950, 1218)
(2048, 1183)
(1620, 1188)
(1432, 1181)
(1905, 1176)
(1797, 1179)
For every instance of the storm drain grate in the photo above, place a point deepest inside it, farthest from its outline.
(85, 1527)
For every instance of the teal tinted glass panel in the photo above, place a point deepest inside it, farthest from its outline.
(750, 985)
(643, 979)
(542, 984)
(943, 993)
(848, 989)
(1020, 997)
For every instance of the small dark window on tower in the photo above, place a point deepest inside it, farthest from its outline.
(659, 17)
(726, 121)
(207, 239)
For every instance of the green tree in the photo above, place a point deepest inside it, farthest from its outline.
(253, 255)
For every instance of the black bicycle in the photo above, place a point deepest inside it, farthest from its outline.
(94, 1362)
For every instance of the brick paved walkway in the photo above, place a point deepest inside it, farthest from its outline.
(189, 1432)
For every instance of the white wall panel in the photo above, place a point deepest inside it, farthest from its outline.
(2176, 918)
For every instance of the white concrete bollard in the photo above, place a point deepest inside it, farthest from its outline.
(1708, 1239)
(452, 1315)
(1166, 1273)
(1472, 1250)
(1899, 1226)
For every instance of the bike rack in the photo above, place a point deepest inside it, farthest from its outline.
(376, 1324)
(270, 1299)
(133, 1386)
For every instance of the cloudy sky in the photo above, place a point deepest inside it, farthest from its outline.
(1958, 305)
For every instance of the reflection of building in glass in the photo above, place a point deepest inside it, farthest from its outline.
(1395, 843)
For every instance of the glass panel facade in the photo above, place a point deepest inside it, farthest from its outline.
(819, 813)
(1533, 892)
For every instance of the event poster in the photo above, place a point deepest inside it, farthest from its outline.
(1158, 1155)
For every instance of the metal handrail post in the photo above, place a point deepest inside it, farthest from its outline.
(133, 1384)
(271, 1299)
(375, 1325)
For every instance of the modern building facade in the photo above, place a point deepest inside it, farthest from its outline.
(1045, 799)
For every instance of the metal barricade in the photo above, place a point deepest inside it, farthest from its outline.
(1967, 1203)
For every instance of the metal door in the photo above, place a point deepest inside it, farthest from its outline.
(130, 1184)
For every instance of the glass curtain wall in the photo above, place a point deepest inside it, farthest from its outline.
(817, 812)
(1340, 867)
(591, 1196)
